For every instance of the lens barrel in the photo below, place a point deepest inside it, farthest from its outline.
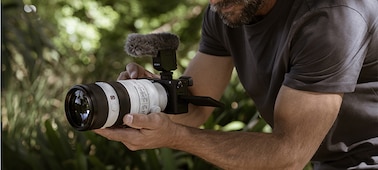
(103, 104)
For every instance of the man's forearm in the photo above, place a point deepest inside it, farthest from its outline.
(238, 150)
(194, 118)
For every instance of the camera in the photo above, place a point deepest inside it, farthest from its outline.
(104, 104)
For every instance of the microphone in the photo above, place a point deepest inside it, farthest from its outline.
(149, 45)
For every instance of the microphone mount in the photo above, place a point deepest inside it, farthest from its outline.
(165, 61)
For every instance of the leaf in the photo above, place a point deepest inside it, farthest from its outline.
(152, 159)
(168, 160)
(233, 126)
(81, 159)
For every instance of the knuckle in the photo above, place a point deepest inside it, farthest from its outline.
(131, 147)
(155, 118)
(108, 137)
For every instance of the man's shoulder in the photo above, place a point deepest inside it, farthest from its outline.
(364, 7)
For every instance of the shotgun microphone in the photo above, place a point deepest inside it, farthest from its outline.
(149, 45)
(160, 46)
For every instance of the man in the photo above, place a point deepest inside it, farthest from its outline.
(311, 67)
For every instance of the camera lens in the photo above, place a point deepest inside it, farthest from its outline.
(81, 108)
(103, 104)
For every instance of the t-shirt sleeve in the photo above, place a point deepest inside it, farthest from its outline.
(211, 35)
(327, 51)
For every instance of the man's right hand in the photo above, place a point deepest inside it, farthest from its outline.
(134, 71)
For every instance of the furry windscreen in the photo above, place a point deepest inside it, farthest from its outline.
(138, 45)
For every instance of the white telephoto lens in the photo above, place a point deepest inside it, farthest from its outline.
(145, 96)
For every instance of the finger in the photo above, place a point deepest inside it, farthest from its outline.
(123, 76)
(117, 134)
(136, 71)
(107, 133)
(133, 70)
(133, 139)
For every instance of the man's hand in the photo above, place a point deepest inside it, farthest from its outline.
(134, 71)
(150, 131)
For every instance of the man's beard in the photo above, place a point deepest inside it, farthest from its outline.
(235, 19)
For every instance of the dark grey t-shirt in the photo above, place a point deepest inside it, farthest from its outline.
(328, 46)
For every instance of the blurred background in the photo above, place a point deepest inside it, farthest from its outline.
(49, 46)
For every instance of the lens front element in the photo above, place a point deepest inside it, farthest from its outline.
(81, 109)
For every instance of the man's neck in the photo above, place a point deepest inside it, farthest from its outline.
(266, 7)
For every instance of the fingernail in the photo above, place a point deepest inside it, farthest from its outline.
(128, 119)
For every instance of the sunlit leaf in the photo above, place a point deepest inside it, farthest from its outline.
(233, 126)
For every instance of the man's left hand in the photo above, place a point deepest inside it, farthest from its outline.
(150, 131)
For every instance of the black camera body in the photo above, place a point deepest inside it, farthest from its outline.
(177, 91)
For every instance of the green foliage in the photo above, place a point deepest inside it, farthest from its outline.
(48, 46)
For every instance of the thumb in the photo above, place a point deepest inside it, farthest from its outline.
(138, 121)
(128, 120)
